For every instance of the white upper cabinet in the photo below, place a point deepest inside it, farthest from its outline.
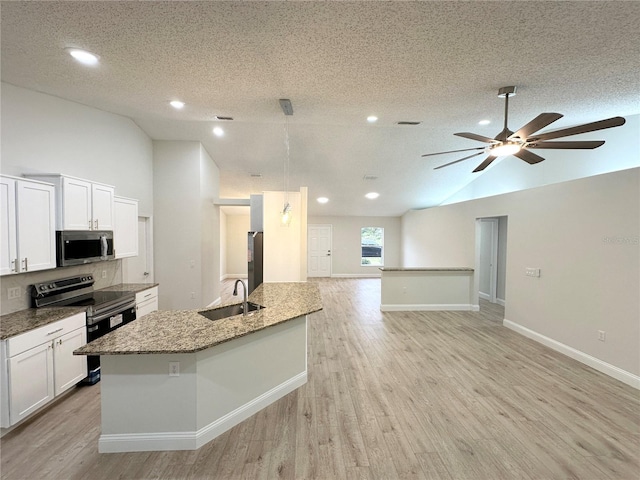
(125, 233)
(82, 204)
(8, 243)
(28, 241)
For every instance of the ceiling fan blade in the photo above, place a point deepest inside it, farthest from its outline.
(475, 136)
(485, 164)
(587, 127)
(460, 160)
(453, 151)
(529, 157)
(536, 124)
(585, 145)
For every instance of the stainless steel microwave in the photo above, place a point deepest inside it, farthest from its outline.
(80, 247)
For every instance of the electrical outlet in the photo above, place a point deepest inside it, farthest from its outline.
(404, 290)
(193, 294)
(602, 335)
(104, 274)
(532, 272)
(174, 369)
(13, 293)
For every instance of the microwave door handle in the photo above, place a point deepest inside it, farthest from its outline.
(103, 242)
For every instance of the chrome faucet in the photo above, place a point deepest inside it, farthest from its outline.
(245, 305)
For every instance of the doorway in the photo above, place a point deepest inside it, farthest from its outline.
(140, 269)
(319, 250)
(491, 259)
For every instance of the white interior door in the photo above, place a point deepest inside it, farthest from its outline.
(140, 269)
(319, 250)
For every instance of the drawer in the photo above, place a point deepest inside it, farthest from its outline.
(38, 336)
(146, 294)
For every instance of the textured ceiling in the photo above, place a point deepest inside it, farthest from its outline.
(440, 63)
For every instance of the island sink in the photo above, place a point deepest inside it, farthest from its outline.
(229, 311)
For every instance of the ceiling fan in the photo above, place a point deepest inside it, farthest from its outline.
(520, 142)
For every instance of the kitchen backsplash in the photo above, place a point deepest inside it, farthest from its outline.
(105, 274)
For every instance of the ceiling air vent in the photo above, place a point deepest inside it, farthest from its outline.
(409, 123)
(218, 117)
(370, 177)
(256, 175)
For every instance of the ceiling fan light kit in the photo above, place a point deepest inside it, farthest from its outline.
(519, 142)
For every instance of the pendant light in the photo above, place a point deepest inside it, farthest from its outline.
(286, 213)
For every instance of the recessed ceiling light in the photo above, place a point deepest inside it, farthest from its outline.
(372, 195)
(372, 119)
(218, 132)
(82, 56)
(484, 122)
(322, 199)
(177, 104)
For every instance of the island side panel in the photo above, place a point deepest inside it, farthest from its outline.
(427, 290)
(146, 409)
(139, 398)
(239, 378)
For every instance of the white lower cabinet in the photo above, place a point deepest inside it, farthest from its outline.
(146, 302)
(31, 381)
(39, 365)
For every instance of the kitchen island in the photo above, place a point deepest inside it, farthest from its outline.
(175, 380)
(428, 288)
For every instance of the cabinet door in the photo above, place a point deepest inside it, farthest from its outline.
(125, 233)
(30, 381)
(76, 204)
(102, 199)
(69, 369)
(8, 251)
(147, 306)
(36, 226)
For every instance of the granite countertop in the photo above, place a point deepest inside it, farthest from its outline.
(186, 331)
(129, 287)
(426, 269)
(22, 321)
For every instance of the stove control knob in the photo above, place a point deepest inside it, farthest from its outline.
(52, 285)
(84, 279)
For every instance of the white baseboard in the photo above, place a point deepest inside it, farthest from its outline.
(356, 275)
(217, 301)
(232, 275)
(501, 302)
(427, 308)
(595, 363)
(163, 441)
(484, 296)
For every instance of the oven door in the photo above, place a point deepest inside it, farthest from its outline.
(109, 321)
(101, 325)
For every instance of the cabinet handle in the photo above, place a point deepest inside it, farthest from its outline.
(15, 266)
(147, 295)
(96, 222)
(55, 331)
(26, 264)
(90, 224)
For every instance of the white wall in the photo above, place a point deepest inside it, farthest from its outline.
(346, 243)
(285, 247)
(237, 227)
(223, 245)
(42, 133)
(186, 225)
(582, 234)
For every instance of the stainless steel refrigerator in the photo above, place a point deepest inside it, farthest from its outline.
(254, 257)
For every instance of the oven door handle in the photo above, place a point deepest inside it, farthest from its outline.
(113, 313)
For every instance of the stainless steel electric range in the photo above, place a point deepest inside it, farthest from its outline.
(106, 310)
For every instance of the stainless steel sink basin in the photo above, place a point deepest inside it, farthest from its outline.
(229, 311)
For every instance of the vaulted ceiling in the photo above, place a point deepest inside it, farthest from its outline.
(437, 63)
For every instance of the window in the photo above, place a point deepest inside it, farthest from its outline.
(371, 244)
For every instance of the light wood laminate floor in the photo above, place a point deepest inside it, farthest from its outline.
(425, 395)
